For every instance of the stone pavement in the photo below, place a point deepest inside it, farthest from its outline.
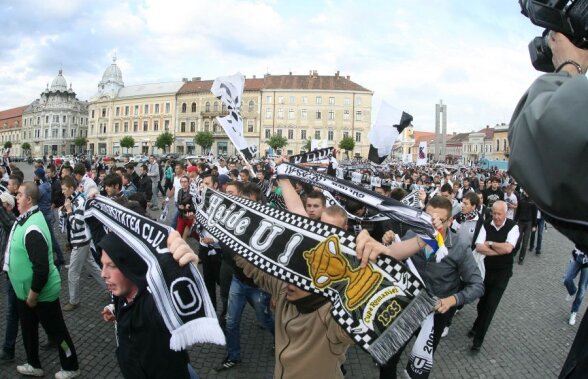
(529, 336)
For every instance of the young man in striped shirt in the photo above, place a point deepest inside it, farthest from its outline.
(80, 241)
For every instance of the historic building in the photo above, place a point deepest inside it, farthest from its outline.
(142, 111)
(10, 129)
(501, 148)
(52, 123)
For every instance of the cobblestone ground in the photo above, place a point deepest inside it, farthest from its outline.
(529, 336)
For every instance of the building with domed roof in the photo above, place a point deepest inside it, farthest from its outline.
(142, 111)
(52, 123)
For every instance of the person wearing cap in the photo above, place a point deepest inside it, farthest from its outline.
(37, 285)
(143, 339)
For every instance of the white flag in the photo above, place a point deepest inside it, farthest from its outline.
(389, 124)
(422, 154)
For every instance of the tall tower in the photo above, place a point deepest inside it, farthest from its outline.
(440, 131)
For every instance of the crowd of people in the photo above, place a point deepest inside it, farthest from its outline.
(485, 217)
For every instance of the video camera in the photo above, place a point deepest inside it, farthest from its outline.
(569, 17)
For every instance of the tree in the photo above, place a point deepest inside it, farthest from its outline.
(276, 141)
(127, 142)
(8, 145)
(81, 142)
(347, 144)
(164, 140)
(26, 147)
(307, 145)
(204, 139)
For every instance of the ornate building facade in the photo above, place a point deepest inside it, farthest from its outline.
(10, 129)
(142, 111)
(52, 123)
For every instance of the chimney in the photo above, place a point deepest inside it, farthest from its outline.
(314, 73)
(348, 77)
(196, 79)
(185, 80)
(253, 76)
(337, 74)
(487, 126)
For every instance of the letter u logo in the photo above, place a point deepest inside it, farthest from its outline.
(185, 296)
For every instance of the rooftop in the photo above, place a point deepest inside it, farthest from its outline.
(168, 88)
(12, 113)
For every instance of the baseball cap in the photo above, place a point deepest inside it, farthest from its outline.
(192, 168)
(223, 179)
(7, 198)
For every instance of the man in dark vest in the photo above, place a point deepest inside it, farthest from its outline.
(496, 240)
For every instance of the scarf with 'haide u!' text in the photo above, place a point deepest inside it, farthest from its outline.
(179, 292)
(379, 306)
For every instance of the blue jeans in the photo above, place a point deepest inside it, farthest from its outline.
(574, 267)
(11, 319)
(540, 228)
(174, 221)
(238, 295)
(192, 372)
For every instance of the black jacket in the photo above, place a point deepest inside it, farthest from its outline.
(145, 186)
(57, 197)
(143, 350)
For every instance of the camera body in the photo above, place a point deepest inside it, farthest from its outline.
(569, 17)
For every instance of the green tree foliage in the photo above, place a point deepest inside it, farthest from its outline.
(164, 140)
(127, 142)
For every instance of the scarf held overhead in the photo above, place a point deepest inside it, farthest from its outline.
(379, 306)
(179, 292)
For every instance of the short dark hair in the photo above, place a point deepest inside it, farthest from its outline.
(251, 189)
(472, 198)
(67, 168)
(494, 179)
(68, 181)
(144, 167)
(139, 197)
(79, 169)
(441, 202)
(235, 184)
(398, 193)
(446, 188)
(127, 176)
(17, 178)
(234, 172)
(121, 169)
(113, 180)
(51, 167)
(31, 190)
(316, 195)
(245, 171)
(213, 178)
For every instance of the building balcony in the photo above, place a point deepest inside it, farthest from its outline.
(211, 114)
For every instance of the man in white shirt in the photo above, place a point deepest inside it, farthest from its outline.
(511, 200)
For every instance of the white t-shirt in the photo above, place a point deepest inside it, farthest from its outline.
(177, 187)
(510, 199)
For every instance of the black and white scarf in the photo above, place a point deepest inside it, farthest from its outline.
(313, 156)
(179, 292)
(379, 306)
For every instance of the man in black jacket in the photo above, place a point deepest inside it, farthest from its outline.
(143, 339)
(57, 198)
(145, 183)
(526, 219)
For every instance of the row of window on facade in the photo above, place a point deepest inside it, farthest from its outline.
(318, 100)
(487, 147)
(55, 119)
(318, 115)
(136, 110)
(215, 107)
(317, 134)
(102, 127)
(54, 134)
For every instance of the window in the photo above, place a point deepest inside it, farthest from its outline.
(357, 115)
(357, 136)
(156, 109)
(268, 113)
(249, 126)
(116, 127)
(279, 132)
(303, 114)
(251, 106)
(145, 126)
(116, 111)
(54, 133)
(182, 127)
(317, 134)
(280, 113)
(346, 115)
(168, 107)
(72, 133)
(304, 99)
(290, 134)
(331, 100)
(346, 101)
(215, 106)
(126, 126)
(504, 145)
(166, 124)
(46, 119)
(268, 134)
(318, 115)
(103, 112)
(268, 99)
(136, 112)
(207, 106)
(280, 99)
(292, 99)
(331, 115)
(358, 101)
(56, 119)
(155, 124)
(38, 121)
(291, 114)
(63, 133)
(224, 108)
(207, 126)
(135, 126)
(319, 100)
(193, 107)
(146, 110)
(330, 135)
(183, 107)
(497, 145)
(64, 119)
(192, 127)
(126, 111)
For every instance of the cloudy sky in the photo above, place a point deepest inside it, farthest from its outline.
(471, 54)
